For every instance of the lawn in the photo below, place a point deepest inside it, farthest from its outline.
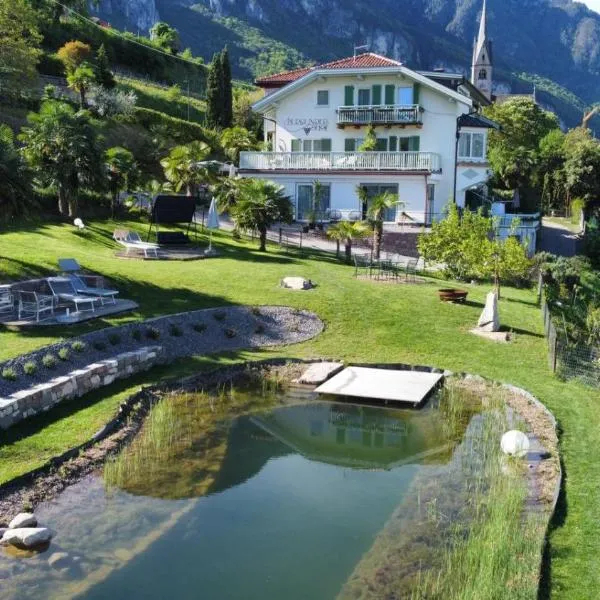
(365, 322)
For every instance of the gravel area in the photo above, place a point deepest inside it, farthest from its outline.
(185, 334)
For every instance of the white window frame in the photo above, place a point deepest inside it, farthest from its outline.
(469, 156)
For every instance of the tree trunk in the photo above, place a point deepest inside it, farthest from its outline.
(348, 250)
(337, 248)
(82, 97)
(62, 202)
(72, 201)
(263, 239)
(377, 236)
(497, 285)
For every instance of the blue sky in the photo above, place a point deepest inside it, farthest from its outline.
(593, 4)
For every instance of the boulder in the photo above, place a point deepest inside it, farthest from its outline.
(27, 537)
(489, 319)
(296, 283)
(320, 372)
(23, 520)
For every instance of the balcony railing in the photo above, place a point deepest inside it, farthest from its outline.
(379, 115)
(341, 161)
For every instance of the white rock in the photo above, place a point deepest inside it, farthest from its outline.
(296, 283)
(23, 520)
(489, 319)
(515, 443)
(319, 372)
(28, 537)
(59, 560)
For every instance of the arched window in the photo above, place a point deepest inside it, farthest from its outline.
(483, 74)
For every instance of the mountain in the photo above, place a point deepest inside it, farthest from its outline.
(552, 43)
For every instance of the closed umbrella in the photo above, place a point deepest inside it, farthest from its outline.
(212, 223)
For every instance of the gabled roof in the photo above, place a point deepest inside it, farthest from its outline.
(368, 60)
(368, 63)
(477, 120)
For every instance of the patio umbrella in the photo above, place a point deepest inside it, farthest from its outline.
(212, 223)
(516, 201)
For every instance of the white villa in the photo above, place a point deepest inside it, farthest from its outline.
(431, 137)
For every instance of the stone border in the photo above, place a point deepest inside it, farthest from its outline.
(41, 398)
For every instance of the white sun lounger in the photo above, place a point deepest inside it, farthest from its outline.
(131, 240)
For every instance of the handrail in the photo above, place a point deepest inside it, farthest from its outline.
(379, 114)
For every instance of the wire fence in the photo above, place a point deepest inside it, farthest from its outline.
(568, 359)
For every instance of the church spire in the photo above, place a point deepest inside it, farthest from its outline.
(481, 68)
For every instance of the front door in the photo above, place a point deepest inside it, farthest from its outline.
(304, 201)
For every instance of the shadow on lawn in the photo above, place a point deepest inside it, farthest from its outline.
(558, 520)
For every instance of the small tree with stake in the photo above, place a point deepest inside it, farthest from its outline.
(346, 232)
(379, 204)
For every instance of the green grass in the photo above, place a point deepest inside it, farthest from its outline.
(158, 98)
(364, 322)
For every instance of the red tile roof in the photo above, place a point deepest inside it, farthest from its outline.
(368, 60)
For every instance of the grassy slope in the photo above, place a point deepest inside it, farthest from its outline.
(364, 322)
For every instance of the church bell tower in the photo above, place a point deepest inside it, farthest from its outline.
(482, 67)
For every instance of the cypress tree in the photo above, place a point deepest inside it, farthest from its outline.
(214, 96)
(227, 110)
(102, 70)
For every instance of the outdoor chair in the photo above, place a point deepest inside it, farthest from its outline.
(63, 290)
(71, 269)
(388, 269)
(35, 304)
(131, 240)
(411, 269)
(362, 261)
(7, 301)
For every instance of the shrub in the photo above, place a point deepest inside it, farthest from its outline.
(9, 374)
(230, 333)
(30, 368)
(63, 354)
(49, 361)
(100, 346)
(175, 330)
(152, 333)
(136, 334)
(220, 315)
(114, 338)
(199, 327)
(78, 346)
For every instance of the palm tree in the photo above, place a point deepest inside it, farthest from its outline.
(61, 146)
(80, 81)
(377, 207)
(235, 140)
(15, 180)
(120, 167)
(259, 205)
(187, 166)
(346, 232)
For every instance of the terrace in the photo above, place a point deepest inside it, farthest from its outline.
(423, 162)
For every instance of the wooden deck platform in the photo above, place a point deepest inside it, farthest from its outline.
(412, 387)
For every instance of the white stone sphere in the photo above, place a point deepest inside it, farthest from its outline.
(515, 443)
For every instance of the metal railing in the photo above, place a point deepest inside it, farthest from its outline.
(379, 115)
(341, 161)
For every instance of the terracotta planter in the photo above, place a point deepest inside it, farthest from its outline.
(452, 295)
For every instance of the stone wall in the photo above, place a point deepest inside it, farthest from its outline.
(40, 398)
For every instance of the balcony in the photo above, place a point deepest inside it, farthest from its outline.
(426, 162)
(379, 115)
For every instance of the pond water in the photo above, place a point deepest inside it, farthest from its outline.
(243, 497)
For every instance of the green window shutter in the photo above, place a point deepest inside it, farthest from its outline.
(349, 145)
(325, 145)
(416, 93)
(390, 93)
(349, 95)
(414, 143)
(295, 145)
(393, 143)
(376, 95)
(382, 145)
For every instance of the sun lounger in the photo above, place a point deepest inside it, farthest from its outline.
(131, 240)
(64, 291)
(71, 268)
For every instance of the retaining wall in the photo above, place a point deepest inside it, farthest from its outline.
(40, 398)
